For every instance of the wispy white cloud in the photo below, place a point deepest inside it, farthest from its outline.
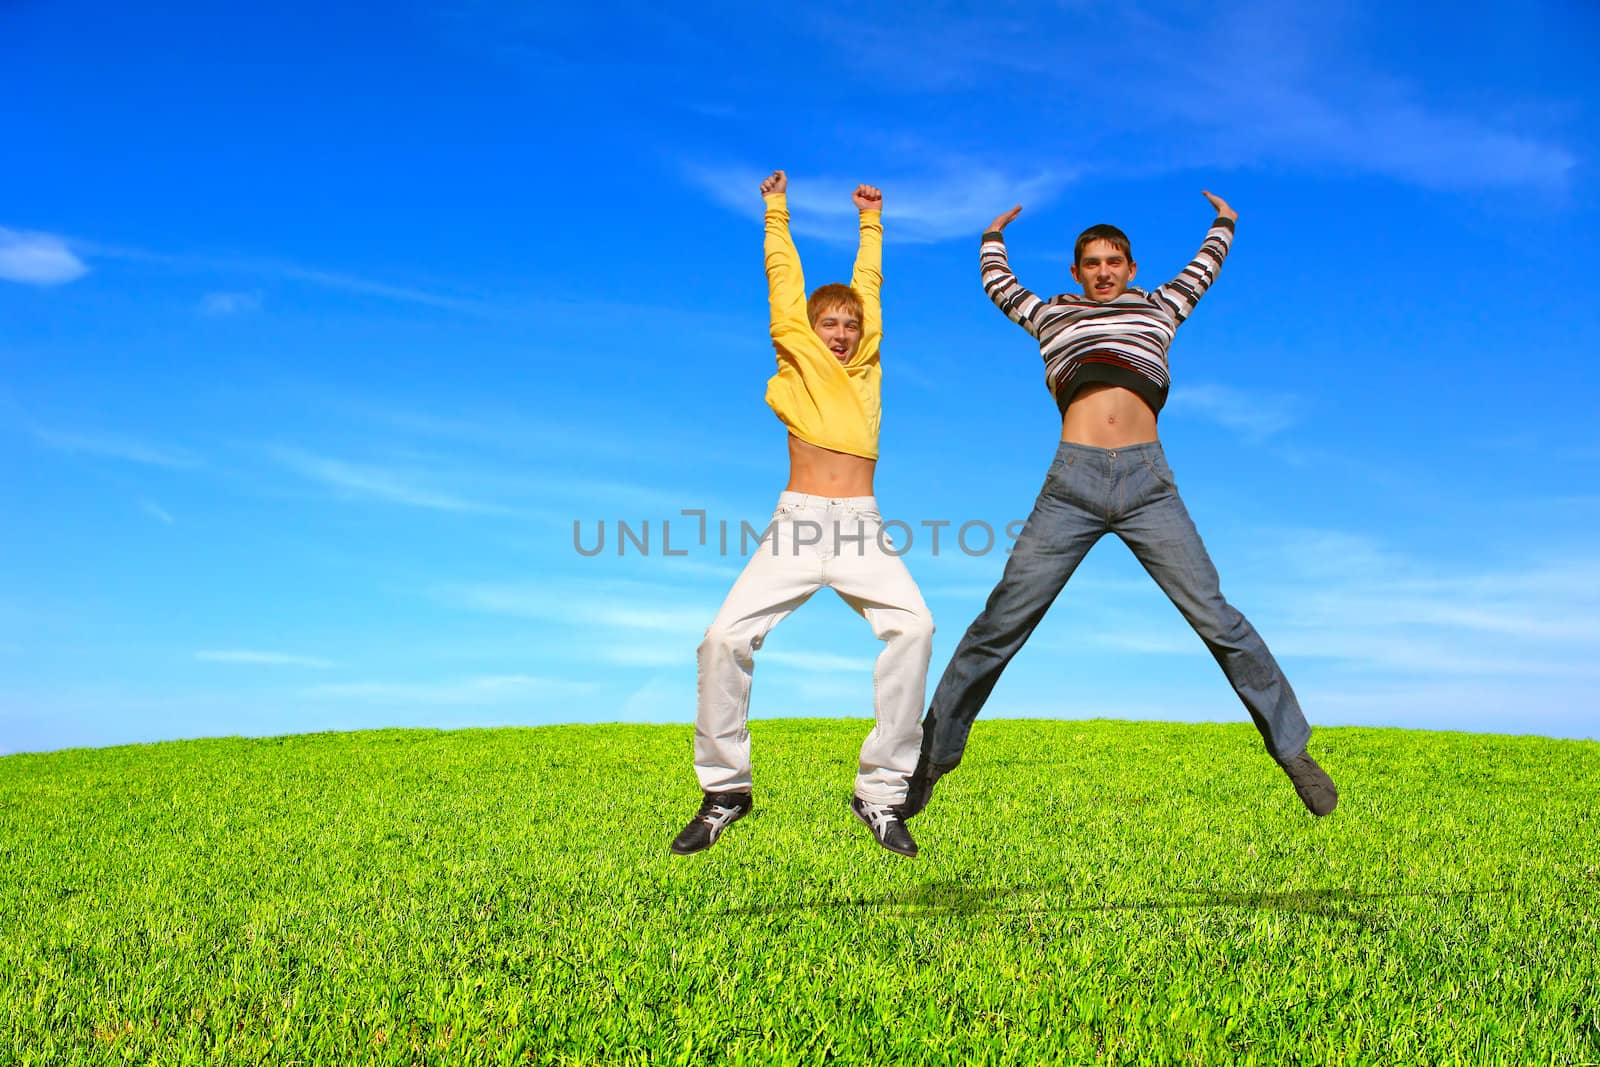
(281, 271)
(629, 623)
(553, 470)
(155, 511)
(1375, 129)
(259, 658)
(1519, 705)
(38, 258)
(1253, 415)
(475, 481)
(352, 284)
(1527, 613)
(1357, 575)
(1348, 602)
(658, 618)
(723, 574)
(660, 635)
(501, 430)
(1313, 98)
(624, 606)
(221, 304)
(957, 198)
(483, 689)
(524, 439)
(1411, 650)
(113, 446)
(947, 52)
(1366, 632)
(371, 481)
(636, 654)
(643, 500)
(660, 699)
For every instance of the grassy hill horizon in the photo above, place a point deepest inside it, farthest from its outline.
(1088, 891)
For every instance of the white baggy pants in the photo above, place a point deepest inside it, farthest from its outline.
(814, 542)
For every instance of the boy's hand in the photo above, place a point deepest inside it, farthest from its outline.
(867, 198)
(1003, 221)
(776, 182)
(1223, 210)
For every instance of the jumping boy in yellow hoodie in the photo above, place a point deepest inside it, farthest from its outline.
(826, 532)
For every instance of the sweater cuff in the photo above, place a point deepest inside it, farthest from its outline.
(1223, 221)
(778, 201)
(995, 235)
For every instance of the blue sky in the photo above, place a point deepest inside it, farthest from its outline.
(319, 328)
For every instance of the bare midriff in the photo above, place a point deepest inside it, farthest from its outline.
(823, 472)
(1108, 416)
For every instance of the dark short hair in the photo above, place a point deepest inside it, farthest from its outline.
(833, 295)
(1103, 232)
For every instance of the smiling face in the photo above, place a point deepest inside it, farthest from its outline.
(1104, 270)
(840, 330)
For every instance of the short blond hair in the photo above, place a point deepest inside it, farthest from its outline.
(834, 295)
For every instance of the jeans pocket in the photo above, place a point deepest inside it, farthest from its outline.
(1161, 473)
(1055, 479)
(783, 517)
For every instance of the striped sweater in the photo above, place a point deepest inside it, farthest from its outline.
(1121, 342)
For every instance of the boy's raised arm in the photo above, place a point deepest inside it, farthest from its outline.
(786, 284)
(1182, 293)
(867, 278)
(1008, 294)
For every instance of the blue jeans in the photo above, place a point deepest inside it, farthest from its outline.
(1089, 493)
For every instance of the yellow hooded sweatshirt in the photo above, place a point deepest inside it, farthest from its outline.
(824, 402)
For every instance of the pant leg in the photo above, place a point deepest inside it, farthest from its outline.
(868, 576)
(1067, 519)
(779, 577)
(1157, 527)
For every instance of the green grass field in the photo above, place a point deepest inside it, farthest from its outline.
(1087, 892)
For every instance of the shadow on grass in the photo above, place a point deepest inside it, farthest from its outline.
(953, 898)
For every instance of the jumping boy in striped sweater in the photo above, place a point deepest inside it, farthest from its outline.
(1105, 355)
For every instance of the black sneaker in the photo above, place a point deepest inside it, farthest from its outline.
(717, 812)
(919, 790)
(886, 824)
(1316, 789)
